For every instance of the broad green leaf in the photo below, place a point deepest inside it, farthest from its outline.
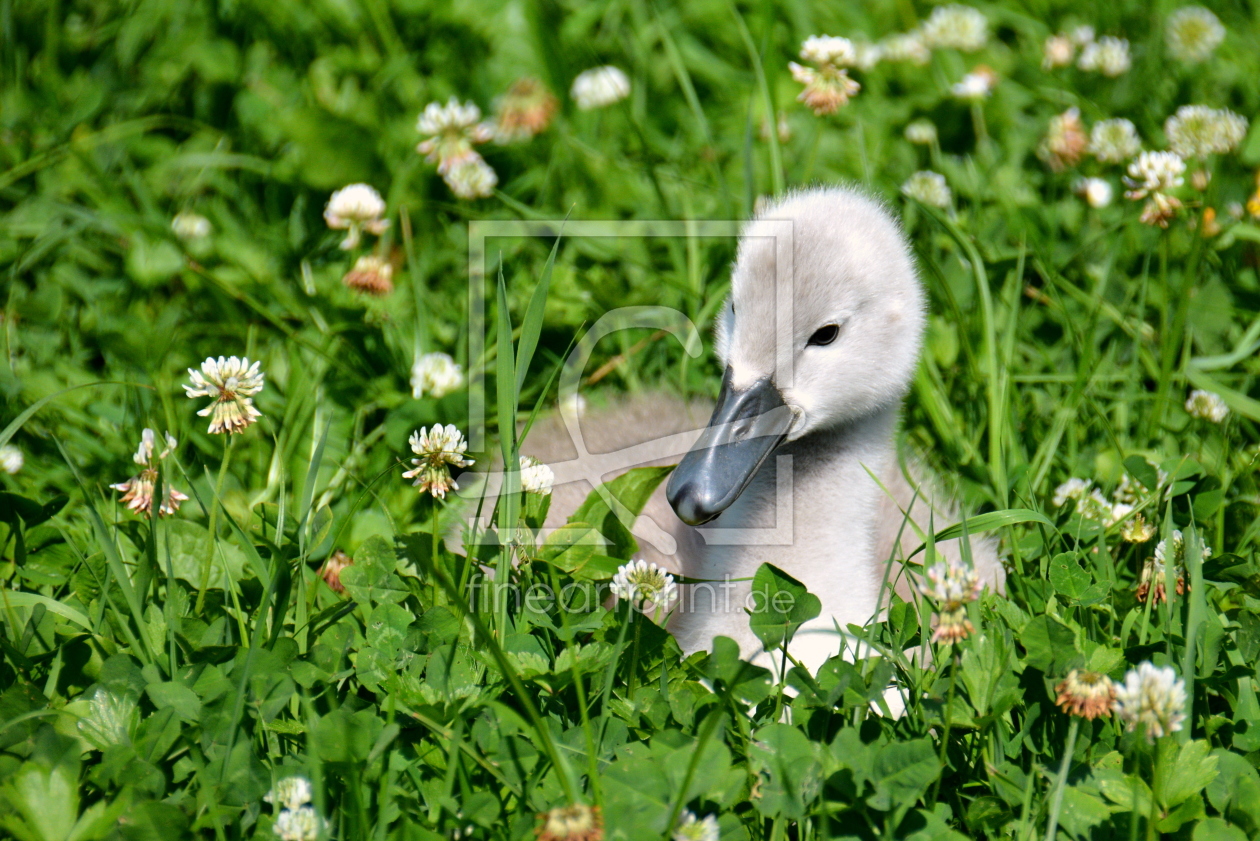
(189, 543)
(612, 507)
(780, 605)
(1184, 770)
(791, 771)
(902, 772)
(1216, 829)
(370, 579)
(1068, 577)
(1082, 812)
(178, 697)
(1050, 644)
(387, 628)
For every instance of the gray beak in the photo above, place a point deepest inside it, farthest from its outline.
(745, 428)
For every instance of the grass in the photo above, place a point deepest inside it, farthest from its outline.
(161, 675)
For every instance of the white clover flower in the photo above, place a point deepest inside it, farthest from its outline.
(1095, 191)
(371, 274)
(907, 46)
(188, 225)
(692, 828)
(11, 459)
(952, 586)
(356, 208)
(1073, 488)
(829, 49)
(437, 450)
(639, 582)
(137, 492)
(451, 130)
(435, 375)
(1058, 51)
(1155, 172)
(1114, 141)
(110, 719)
(232, 382)
(1177, 554)
(1129, 490)
(1207, 406)
(1108, 56)
(1154, 697)
(956, 27)
(536, 477)
(302, 824)
(921, 132)
(1193, 33)
(1082, 35)
(976, 85)
(1197, 131)
(599, 87)
(826, 89)
(290, 793)
(928, 187)
(471, 178)
(866, 55)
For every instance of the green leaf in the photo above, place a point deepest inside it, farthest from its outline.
(176, 696)
(1050, 645)
(387, 628)
(1184, 770)
(791, 771)
(988, 522)
(189, 543)
(1068, 577)
(612, 508)
(1082, 812)
(1215, 829)
(370, 579)
(781, 604)
(902, 772)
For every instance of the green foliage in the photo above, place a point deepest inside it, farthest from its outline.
(159, 678)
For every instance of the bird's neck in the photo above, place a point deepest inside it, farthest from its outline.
(822, 532)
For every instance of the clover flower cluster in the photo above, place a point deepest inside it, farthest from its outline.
(640, 582)
(137, 492)
(827, 85)
(232, 382)
(356, 208)
(437, 450)
(1091, 504)
(1153, 697)
(599, 87)
(536, 477)
(1197, 131)
(1207, 406)
(11, 459)
(450, 132)
(571, 823)
(1107, 55)
(1065, 142)
(1154, 577)
(297, 819)
(693, 828)
(435, 375)
(952, 585)
(929, 188)
(1192, 34)
(1149, 696)
(976, 85)
(1152, 175)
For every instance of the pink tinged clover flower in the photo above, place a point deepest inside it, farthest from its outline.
(137, 492)
(232, 382)
(952, 586)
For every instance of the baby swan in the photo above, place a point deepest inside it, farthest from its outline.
(797, 466)
(820, 340)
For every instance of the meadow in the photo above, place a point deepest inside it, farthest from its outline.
(253, 625)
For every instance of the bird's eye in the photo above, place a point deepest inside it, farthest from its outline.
(825, 335)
